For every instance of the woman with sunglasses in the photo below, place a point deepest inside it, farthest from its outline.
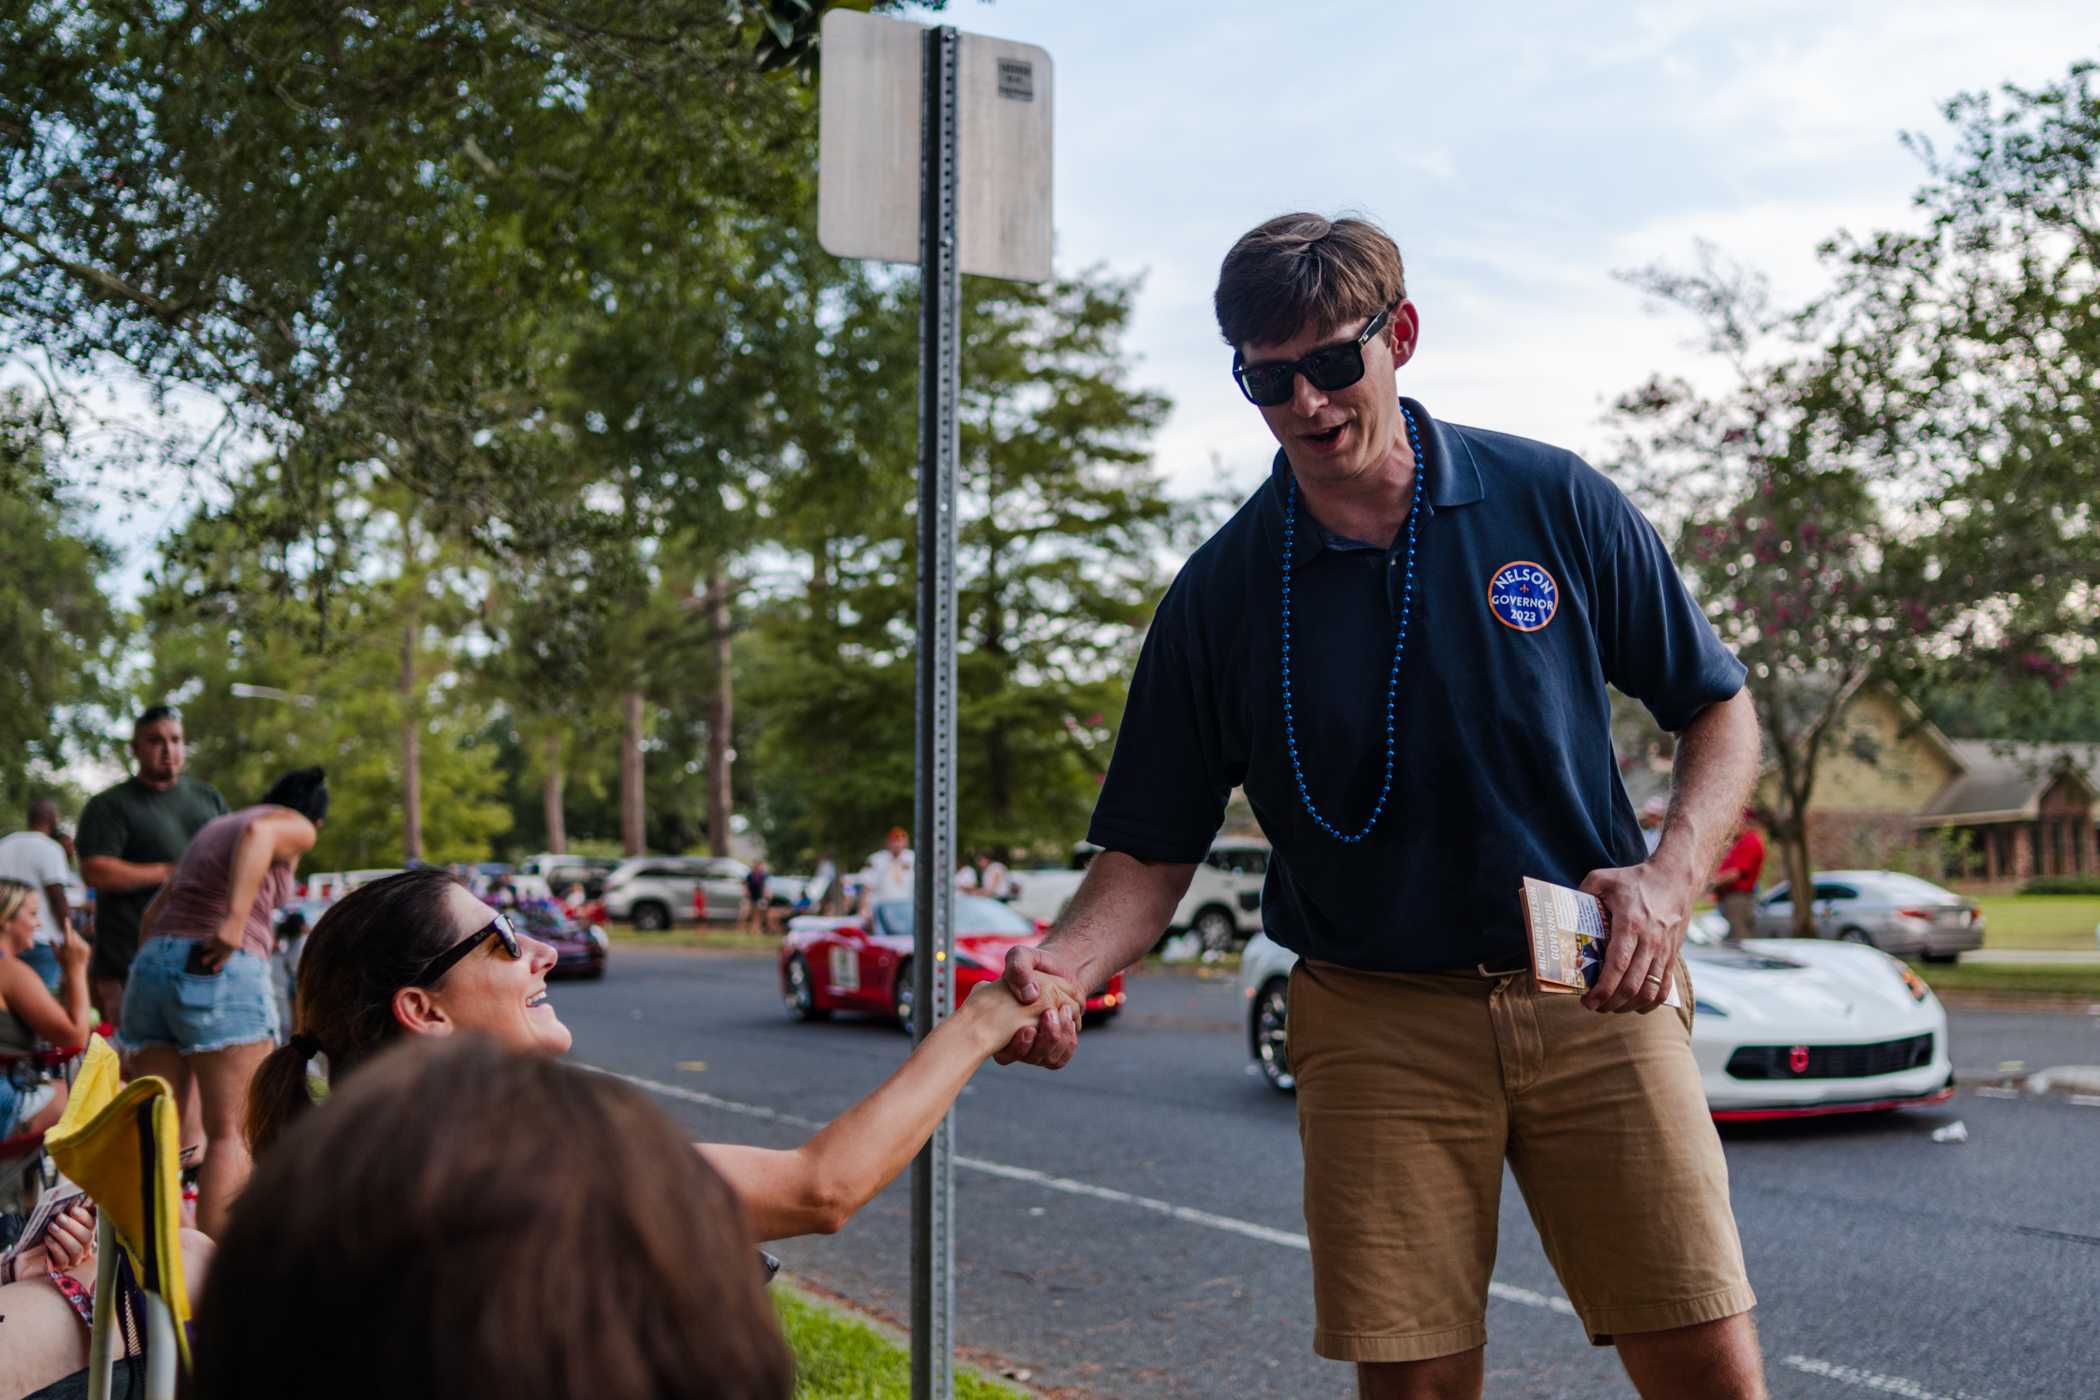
(419, 954)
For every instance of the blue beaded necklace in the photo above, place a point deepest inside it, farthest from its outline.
(1392, 684)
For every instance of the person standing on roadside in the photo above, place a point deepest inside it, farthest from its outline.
(1735, 880)
(752, 917)
(1400, 647)
(994, 881)
(1652, 813)
(825, 896)
(130, 837)
(888, 873)
(37, 858)
(200, 1009)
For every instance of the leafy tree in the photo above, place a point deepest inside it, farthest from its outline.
(1898, 482)
(1064, 526)
(217, 616)
(58, 633)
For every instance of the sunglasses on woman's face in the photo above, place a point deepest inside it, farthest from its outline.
(1330, 367)
(500, 927)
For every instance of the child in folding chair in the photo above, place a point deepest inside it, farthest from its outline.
(416, 954)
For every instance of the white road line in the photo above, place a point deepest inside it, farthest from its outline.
(2086, 1100)
(1247, 1229)
(1870, 1380)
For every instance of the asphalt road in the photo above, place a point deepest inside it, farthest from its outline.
(1130, 1226)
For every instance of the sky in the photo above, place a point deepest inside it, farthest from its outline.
(1519, 155)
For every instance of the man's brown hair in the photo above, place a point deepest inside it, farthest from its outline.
(1300, 270)
(464, 1220)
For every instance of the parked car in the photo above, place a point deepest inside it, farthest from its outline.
(1222, 905)
(1781, 1028)
(1885, 909)
(330, 885)
(651, 890)
(580, 948)
(864, 964)
(560, 872)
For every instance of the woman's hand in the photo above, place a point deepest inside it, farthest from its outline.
(1000, 1013)
(214, 951)
(69, 1241)
(73, 954)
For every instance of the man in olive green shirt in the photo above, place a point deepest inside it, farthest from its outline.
(130, 837)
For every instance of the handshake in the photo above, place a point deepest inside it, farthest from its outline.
(1031, 1013)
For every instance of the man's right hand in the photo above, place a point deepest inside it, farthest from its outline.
(1052, 1040)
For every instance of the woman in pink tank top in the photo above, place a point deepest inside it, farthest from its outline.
(200, 1007)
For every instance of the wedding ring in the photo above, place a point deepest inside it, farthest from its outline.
(1651, 977)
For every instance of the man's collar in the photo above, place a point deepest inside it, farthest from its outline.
(1454, 478)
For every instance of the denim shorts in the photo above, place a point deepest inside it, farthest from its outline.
(21, 1102)
(196, 1012)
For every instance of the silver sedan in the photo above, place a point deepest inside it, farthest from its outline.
(1886, 909)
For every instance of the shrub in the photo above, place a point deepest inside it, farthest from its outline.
(2062, 884)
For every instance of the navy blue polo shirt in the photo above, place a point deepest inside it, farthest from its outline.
(1537, 583)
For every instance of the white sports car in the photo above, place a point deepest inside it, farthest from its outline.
(1782, 1028)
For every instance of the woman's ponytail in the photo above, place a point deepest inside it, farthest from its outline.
(279, 1093)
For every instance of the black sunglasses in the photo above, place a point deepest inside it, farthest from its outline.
(1329, 367)
(438, 966)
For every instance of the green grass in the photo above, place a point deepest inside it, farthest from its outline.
(838, 1357)
(2014, 979)
(721, 940)
(2040, 920)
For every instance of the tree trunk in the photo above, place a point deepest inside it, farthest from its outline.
(550, 794)
(1800, 878)
(631, 841)
(999, 766)
(720, 713)
(411, 750)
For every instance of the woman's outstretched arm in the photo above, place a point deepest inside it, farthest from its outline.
(815, 1188)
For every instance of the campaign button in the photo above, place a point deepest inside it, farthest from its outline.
(1523, 596)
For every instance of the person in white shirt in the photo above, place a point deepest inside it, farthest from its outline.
(993, 881)
(1652, 813)
(888, 873)
(35, 858)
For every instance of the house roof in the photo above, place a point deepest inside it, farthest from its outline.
(2007, 780)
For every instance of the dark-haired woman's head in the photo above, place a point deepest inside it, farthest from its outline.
(412, 954)
(465, 1220)
(304, 790)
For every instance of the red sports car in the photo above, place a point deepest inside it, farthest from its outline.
(857, 964)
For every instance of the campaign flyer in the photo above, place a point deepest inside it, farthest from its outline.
(1569, 932)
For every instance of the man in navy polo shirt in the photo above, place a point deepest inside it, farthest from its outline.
(1400, 648)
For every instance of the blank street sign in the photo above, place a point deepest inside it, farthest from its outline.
(868, 148)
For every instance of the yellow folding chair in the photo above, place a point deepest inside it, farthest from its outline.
(121, 1142)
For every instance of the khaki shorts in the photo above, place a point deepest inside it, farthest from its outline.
(1413, 1088)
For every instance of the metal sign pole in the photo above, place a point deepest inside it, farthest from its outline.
(940, 378)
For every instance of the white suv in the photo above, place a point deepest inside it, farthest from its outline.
(1223, 903)
(654, 890)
